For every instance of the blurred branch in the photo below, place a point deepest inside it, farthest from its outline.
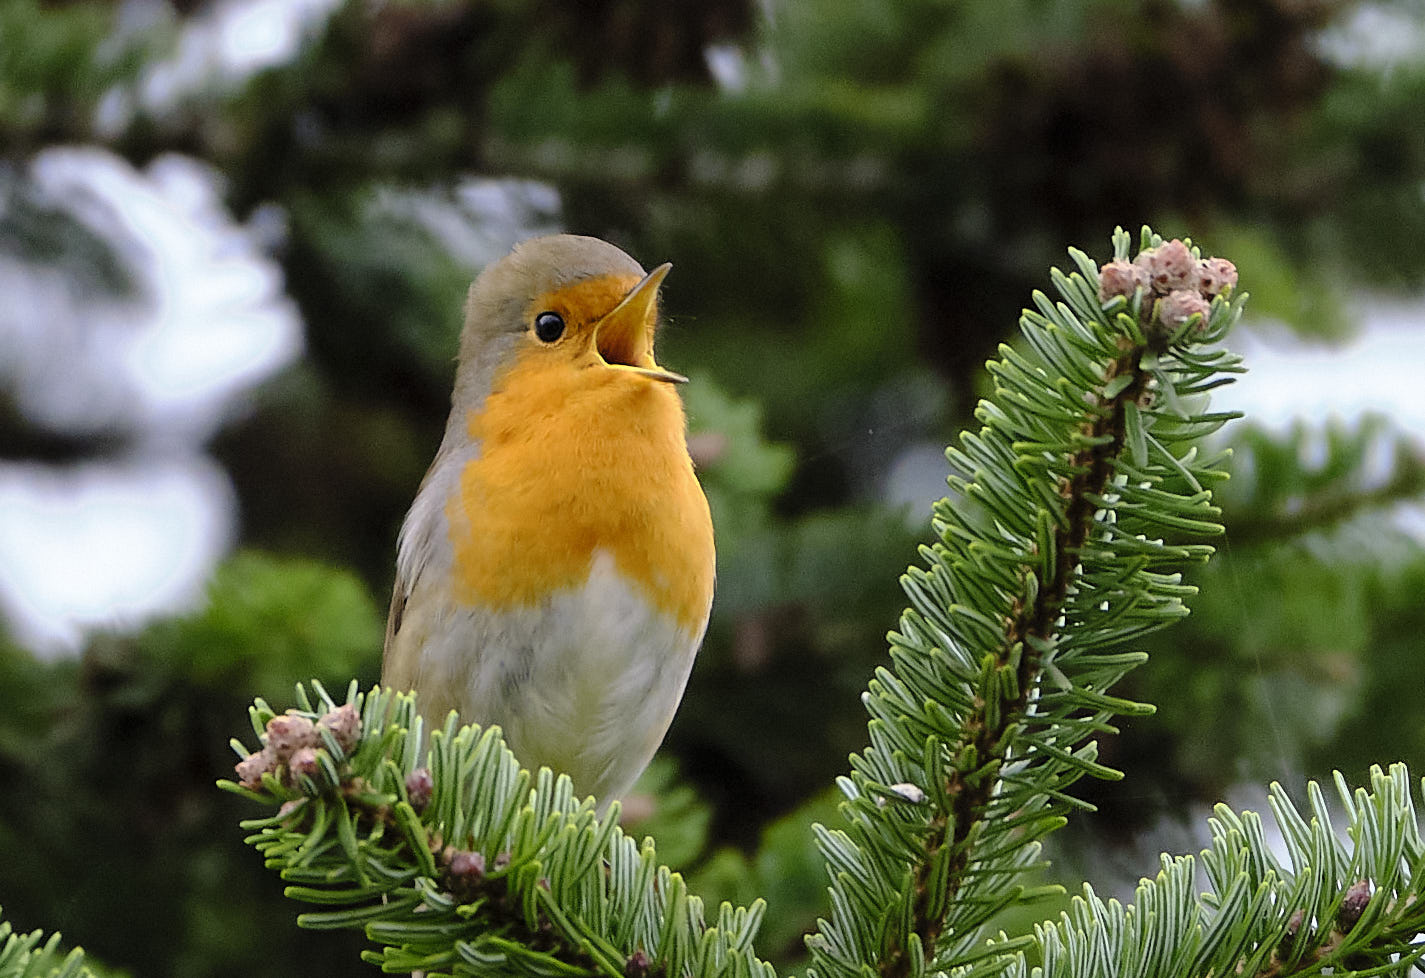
(1314, 479)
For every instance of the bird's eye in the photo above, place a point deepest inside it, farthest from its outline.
(548, 326)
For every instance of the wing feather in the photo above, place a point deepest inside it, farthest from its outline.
(424, 556)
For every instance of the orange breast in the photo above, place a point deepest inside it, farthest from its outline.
(572, 462)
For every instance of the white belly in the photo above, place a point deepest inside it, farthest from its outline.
(586, 682)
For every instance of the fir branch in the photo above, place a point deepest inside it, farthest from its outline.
(1352, 905)
(32, 956)
(1048, 558)
(470, 865)
(1030, 626)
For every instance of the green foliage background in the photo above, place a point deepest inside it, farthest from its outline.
(854, 226)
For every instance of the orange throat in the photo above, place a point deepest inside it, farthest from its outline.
(574, 462)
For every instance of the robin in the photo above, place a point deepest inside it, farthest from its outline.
(555, 572)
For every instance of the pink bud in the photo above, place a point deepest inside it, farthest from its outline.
(345, 726)
(467, 865)
(304, 761)
(1293, 928)
(289, 733)
(1180, 306)
(1169, 266)
(1216, 275)
(420, 785)
(1120, 278)
(1353, 904)
(252, 767)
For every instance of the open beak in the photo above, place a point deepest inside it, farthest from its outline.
(624, 337)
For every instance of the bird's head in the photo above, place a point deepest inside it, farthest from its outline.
(560, 304)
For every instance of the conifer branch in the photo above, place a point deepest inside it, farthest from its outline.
(1030, 626)
(32, 956)
(1347, 904)
(1047, 560)
(470, 866)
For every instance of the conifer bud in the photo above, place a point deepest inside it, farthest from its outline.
(303, 761)
(345, 726)
(1353, 904)
(1169, 266)
(289, 733)
(1120, 278)
(464, 871)
(1215, 276)
(466, 866)
(420, 785)
(1293, 928)
(637, 965)
(1180, 306)
(251, 768)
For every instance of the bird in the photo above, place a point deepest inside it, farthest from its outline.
(555, 572)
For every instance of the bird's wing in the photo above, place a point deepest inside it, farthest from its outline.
(400, 658)
(406, 633)
(423, 556)
(400, 594)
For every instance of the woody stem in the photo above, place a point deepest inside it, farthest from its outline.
(984, 746)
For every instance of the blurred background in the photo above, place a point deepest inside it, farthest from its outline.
(234, 240)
